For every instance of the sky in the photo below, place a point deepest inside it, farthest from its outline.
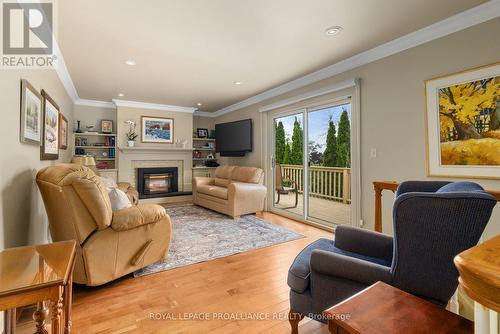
(318, 123)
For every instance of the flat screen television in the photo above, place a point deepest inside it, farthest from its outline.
(234, 139)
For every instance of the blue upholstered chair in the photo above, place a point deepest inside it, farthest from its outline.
(433, 222)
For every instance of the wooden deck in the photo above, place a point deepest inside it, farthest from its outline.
(333, 212)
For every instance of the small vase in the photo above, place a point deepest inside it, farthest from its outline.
(131, 143)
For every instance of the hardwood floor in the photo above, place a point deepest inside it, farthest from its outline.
(247, 284)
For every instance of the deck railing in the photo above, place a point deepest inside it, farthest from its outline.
(333, 183)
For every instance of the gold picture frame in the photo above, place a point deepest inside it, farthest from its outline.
(49, 150)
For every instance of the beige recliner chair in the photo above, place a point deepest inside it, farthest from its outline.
(234, 191)
(109, 244)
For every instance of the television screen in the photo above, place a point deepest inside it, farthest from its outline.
(234, 138)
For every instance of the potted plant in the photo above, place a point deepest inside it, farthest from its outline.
(131, 134)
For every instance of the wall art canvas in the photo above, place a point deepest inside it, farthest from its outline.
(31, 114)
(157, 130)
(63, 132)
(50, 134)
(463, 124)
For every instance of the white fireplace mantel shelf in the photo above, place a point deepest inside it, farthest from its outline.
(143, 149)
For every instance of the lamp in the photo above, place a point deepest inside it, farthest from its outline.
(85, 160)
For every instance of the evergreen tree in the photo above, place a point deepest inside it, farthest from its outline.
(286, 154)
(296, 154)
(344, 141)
(280, 141)
(330, 154)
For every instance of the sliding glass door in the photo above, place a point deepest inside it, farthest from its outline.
(311, 164)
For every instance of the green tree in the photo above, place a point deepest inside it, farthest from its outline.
(280, 141)
(296, 154)
(286, 154)
(330, 154)
(344, 141)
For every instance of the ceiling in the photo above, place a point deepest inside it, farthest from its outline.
(191, 51)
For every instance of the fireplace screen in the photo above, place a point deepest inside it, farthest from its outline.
(157, 183)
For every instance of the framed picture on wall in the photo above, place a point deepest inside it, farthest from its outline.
(63, 132)
(50, 133)
(157, 130)
(202, 133)
(463, 124)
(31, 114)
(106, 126)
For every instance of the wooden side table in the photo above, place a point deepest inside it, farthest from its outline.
(34, 274)
(382, 308)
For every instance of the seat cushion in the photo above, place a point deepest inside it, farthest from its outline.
(300, 270)
(215, 191)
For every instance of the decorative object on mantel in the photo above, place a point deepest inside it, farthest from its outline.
(463, 124)
(63, 132)
(50, 139)
(181, 143)
(157, 130)
(131, 134)
(31, 114)
(106, 126)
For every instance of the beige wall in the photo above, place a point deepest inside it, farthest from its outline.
(204, 123)
(392, 111)
(93, 115)
(23, 219)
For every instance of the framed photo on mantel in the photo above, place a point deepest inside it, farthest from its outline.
(463, 124)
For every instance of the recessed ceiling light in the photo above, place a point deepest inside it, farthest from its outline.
(198, 104)
(237, 82)
(131, 62)
(332, 31)
(121, 94)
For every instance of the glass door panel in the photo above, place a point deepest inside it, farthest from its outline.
(329, 152)
(288, 166)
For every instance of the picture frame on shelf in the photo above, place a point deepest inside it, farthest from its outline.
(158, 130)
(463, 124)
(49, 150)
(106, 126)
(202, 132)
(63, 132)
(31, 114)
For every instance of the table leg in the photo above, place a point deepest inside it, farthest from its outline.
(68, 300)
(40, 315)
(56, 309)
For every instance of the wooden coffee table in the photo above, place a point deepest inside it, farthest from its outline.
(34, 274)
(384, 309)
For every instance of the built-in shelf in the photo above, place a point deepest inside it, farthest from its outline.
(155, 148)
(202, 159)
(204, 139)
(107, 169)
(83, 134)
(95, 147)
(204, 149)
(105, 159)
(203, 167)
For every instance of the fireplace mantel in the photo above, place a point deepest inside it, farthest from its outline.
(153, 149)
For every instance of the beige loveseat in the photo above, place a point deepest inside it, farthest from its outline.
(109, 244)
(234, 190)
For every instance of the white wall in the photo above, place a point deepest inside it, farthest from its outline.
(392, 111)
(23, 219)
(93, 116)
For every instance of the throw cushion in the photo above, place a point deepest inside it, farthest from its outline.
(108, 183)
(460, 187)
(119, 200)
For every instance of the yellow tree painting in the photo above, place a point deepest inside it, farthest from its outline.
(469, 123)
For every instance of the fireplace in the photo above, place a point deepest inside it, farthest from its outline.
(157, 182)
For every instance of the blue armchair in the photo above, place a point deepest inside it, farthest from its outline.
(433, 222)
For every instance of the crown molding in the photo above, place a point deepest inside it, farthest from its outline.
(95, 103)
(463, 20)
(154, 106)
(308, 95)
(200, 113)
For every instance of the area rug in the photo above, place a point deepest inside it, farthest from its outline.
(200, 235)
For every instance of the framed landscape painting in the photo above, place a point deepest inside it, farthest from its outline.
(31, 114)
(63, 132)
(157, 130)
(463, 124)
(50, 134)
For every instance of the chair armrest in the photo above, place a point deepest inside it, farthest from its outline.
(420, 186)
(350, 268)
(199, 180)
(246, 191)
(364, 242)
(135, 216)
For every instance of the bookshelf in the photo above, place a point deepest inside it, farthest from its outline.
(202, 147)
(102, 146)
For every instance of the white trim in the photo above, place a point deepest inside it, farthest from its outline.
(63, 73)
(315, 93)
(463, 20)
(145, 105)
(204, 114)
(95, 103)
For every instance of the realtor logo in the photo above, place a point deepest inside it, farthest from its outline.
(27, 35)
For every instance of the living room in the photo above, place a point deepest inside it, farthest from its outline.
(256, 167)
